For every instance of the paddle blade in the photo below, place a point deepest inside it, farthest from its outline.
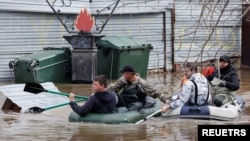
(36, 110)
(33, 88)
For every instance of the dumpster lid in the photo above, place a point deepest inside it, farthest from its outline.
(46, 53)
(123, 43)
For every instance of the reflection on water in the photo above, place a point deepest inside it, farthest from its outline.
(98, 132)
(53, 125)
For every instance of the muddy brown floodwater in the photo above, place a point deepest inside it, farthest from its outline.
(53, 125)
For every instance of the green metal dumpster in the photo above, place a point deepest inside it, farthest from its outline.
(48, 65)
(115, 52)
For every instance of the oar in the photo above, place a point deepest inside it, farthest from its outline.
(37, 110)
(144, 119)
(38, 88)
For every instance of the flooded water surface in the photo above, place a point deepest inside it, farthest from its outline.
(53, 125)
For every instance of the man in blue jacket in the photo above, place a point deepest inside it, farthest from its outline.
(102, 101)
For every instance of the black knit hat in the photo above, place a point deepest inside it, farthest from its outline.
(225, 58)
(128, 68)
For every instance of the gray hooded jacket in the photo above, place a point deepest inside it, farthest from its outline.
(187, 94)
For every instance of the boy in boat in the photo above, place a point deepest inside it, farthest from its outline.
(194, 91)
(102, 101)
(225, 82)
(135, 91)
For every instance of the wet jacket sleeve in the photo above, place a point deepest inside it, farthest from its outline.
(84, 109)
(184, 96)
(148, 89)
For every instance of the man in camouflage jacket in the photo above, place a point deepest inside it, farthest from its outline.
(132, 90)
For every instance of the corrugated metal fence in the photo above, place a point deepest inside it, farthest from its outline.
(178, 30)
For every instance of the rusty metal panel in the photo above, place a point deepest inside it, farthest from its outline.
(245, 51)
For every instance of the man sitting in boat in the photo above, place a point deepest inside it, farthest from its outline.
(194, 91)
(134, 90)
(225, 82)
(102, 101)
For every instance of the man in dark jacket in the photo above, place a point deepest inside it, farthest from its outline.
(225, 81)
(101, 101)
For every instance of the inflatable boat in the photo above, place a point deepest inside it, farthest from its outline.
(228, 111)
(115, 118)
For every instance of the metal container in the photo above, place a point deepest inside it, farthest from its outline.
(116, 52)
(83, 65)
(83, 56)
(48, 65)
